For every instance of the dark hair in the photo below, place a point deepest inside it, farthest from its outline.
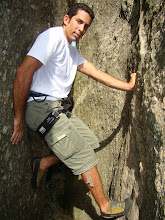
(80, 6)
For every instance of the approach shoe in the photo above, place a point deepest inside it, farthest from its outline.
(37, 172)
(116, 209)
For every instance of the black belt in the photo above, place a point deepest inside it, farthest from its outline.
(34, 94)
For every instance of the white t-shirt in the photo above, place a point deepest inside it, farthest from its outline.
(60, 60)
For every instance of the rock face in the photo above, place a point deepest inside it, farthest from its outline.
(125, 37)
(21, 22)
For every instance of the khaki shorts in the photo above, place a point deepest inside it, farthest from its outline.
(70, 139)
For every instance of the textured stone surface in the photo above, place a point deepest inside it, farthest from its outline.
(126, 36)
(21, 22)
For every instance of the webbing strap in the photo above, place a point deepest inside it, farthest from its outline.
(47, 124)
(53, 117)
(34, 94)
(50, 120)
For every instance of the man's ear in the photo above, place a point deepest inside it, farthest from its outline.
(66, 19)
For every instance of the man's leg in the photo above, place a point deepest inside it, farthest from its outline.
(109, 209)
(97, 189)
(39, 167)
(48, 161)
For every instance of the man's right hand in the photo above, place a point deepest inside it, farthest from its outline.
(19, 125)
(22, 84)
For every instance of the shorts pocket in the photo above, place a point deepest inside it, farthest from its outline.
(63, 139)
(62, 142)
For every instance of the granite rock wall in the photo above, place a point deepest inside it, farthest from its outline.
(126, 36)
(21, 22)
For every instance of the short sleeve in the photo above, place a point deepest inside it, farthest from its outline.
(44, 46)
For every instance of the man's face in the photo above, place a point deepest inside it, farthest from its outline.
(77, 26)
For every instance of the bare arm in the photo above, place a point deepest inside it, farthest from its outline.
(90, 70)
(22, 84)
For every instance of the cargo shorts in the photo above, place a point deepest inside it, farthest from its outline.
(69, 138)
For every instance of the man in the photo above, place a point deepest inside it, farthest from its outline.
(49, 70)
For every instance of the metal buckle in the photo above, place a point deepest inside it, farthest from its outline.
(56, 114)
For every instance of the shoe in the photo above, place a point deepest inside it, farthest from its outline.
(37, 172)
(116, 209)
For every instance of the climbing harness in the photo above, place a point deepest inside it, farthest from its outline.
(34, 94)
(53, 117)
(47, 124)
